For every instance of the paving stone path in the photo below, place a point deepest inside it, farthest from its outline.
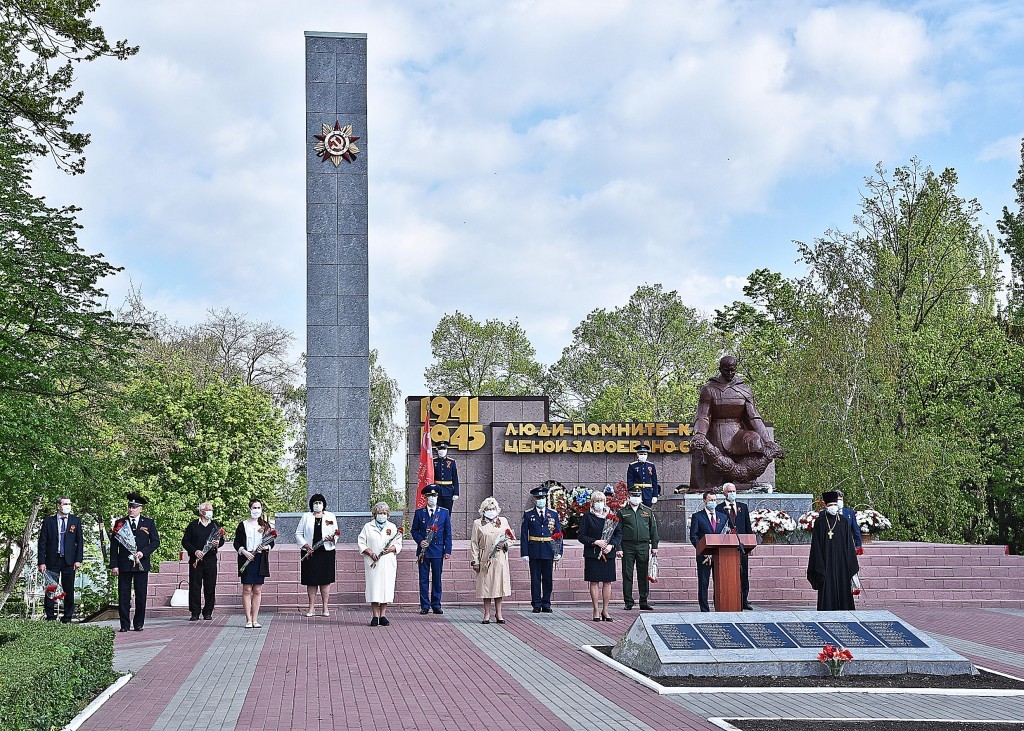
(452, 672)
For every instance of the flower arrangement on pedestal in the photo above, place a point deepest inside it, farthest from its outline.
(871, 521)
(769, 522)
(806, 520)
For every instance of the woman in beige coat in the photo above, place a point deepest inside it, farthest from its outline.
(488, 551)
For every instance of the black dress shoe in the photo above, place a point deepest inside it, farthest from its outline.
(607, 619)
(437, 611)
(546, 610)
(486, 621)
(500, 621)
(207, 617)
(748, 605)
(536, 610)
(424, 611)
(384, 621)
(375, 621)
(136, 629)
(194, 618)
(646, 606)
(122, 630)
(627, 607)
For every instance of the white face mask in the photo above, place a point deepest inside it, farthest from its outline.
(839, 503)
(490, 514)
(642, 457)
(634, 500)
(65, 509)
(832, 509)
(208, 514)
(442, 453)
(541, 503)
(256, 512)
(431, 501)
(600, 508)
(318, 507)
(381, 519)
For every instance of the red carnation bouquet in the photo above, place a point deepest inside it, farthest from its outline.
(329, 537)
(269, 537)
(610, 522)
(431, 534)
(392, 539)
(53, 588)
(216, 538)
(500, 545)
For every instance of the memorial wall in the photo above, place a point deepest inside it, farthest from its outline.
(505, 446)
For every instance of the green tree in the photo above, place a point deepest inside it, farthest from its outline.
(385, 434)
(643, 361)
(492, 358)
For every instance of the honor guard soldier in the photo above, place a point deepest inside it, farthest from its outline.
(432, 531)
(132, 570)
(446, 477)
(644, 475)
(541, 545)
(639, 543)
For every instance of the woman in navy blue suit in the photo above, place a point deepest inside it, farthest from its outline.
(599, 554)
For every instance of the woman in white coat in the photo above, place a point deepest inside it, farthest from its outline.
(380, 541)
(317, 528)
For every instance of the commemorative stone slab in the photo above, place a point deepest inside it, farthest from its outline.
(780, 643)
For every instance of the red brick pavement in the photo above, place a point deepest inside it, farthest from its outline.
(419, 673)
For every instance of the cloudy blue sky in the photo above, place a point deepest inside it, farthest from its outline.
(531, 159)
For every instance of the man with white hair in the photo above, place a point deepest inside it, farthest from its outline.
(737, 515)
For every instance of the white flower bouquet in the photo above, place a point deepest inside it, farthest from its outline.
(871, 521)
(766, 520)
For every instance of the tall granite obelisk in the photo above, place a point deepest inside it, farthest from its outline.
(337, 311)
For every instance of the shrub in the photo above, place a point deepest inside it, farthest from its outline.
(49, 671)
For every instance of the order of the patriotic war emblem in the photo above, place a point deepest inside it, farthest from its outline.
(336, 144)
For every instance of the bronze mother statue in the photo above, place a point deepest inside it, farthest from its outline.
(730, 442)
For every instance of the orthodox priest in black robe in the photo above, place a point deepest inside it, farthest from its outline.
(833, 560)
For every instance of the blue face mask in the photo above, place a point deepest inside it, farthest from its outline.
(730, 496)
(541, 504)
(381, 519)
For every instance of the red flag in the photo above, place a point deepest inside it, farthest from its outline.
(426, 471)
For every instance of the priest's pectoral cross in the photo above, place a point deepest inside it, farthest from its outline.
(830, 534)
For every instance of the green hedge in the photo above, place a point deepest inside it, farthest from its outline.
(49, 671)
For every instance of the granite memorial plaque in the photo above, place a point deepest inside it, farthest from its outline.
(680, 637)
(852, 634)
(807, 634)
(765, 635)
(722, 636)
(894, 634)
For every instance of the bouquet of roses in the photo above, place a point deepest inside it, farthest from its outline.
(392, 539)
(871, 521)
(269, 537)
(123, 534)
(834, 658)
(215, 537)
(322, 541)
(556, 538)
(53, 588)
(502, 543)
(610, 522)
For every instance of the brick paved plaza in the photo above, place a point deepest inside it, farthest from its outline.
(451, 672)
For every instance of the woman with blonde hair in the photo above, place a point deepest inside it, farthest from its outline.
(488, 551)
(599, 552)
(380, 541)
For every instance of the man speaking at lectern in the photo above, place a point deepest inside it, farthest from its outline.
(702, 523)
(737, 515)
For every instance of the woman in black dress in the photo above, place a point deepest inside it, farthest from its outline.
(318, 528)
(599, 554)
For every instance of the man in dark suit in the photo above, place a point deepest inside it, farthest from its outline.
(851, 515)
(432, 531)
(702, 523)
(737, 515)
(540, 543)
(60, 549)
(132, 568)
(446, 477)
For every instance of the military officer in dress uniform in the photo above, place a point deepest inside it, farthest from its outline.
(432, 532)
(639, 543)
(540, 546)
(644, 475)
(851, 515)
(133, 573)
(737, 515)
(446, 477)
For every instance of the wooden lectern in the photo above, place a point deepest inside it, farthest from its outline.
(725, 548)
